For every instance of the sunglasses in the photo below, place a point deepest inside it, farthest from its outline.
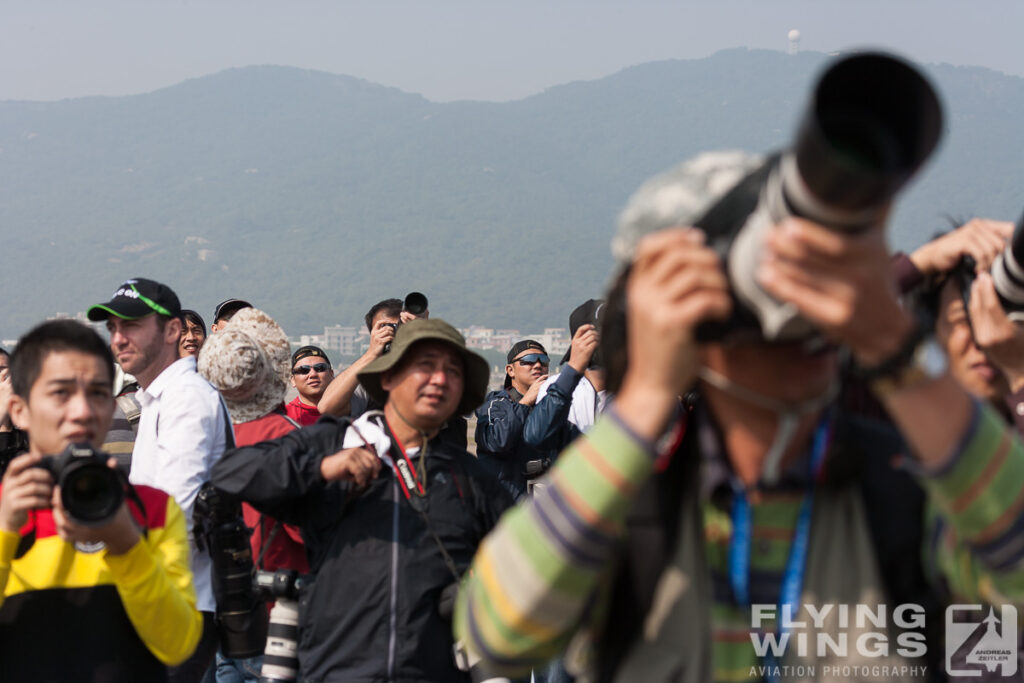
(306, 369)
(531, 358)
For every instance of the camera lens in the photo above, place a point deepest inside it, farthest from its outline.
(91, 492)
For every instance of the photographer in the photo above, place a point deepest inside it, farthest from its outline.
(111, 600)
(569, 402)
(951, 275)
(390, 513)
(503, 415)
(343, 395)
(658, 572)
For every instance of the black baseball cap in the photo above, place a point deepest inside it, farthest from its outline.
(228, 307)
(517, 349)
(137, 298)
(306, 352)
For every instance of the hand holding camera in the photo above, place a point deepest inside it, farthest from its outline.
(841, 282)
(676, 282)
(584, 345)
(980, 238)
(380, 340)
(1000, 338)
(25, 487)
(86, 494)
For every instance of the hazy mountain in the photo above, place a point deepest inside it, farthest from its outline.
(315, 195)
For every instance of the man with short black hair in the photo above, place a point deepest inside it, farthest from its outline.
(225, 310)
(184, 425)
(106, 601)
(344, 395)
(311, 375)
(502, 417)
(391, 513)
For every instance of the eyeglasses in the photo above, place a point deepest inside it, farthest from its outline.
(306, 369)
(531, 358)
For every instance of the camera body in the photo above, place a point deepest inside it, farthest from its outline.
(91, 492)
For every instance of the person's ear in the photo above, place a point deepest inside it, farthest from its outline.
(172, 330)
(386, 380)
(18, 410)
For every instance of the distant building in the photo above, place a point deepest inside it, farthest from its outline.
(342, 338)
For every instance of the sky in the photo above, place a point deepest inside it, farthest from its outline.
(461, 49)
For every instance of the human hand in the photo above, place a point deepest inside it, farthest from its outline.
(382, 335)
(406, 316)
(118, 535)
(676, 283)
(840, 282)
(530, 397)
(584, 344)
(994, 333)
(359, 465)
(6, 392)
(25, 487)
(980, 238)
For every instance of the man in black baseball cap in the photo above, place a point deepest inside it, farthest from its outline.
(137, 298)
(502, 417)
(144, 321)
(311, 373)
(225, 310)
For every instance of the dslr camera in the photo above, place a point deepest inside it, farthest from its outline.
(871, 123)
(90, 491)
(415, 303)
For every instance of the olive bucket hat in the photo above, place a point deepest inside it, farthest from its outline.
(476, 371)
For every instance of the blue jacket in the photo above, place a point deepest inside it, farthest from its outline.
(499, 439)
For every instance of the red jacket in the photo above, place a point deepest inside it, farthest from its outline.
(286, 549)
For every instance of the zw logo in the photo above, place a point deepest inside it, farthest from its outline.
(991, 643)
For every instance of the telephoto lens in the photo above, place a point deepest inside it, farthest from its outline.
(241, 615)
(90, 491)
(280, 658)
(415, 303)
(1008, 275)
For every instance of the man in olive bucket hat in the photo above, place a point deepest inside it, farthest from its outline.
(391, 515)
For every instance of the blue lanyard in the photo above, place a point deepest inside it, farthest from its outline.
(739, 546)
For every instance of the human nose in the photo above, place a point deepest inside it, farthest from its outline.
(80, 408)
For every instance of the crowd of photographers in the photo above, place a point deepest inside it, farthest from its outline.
(766, 411)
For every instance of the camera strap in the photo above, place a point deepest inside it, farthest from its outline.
(415, 490)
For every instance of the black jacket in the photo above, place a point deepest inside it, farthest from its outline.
(370, 612)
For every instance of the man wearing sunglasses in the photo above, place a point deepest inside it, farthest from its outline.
(184, 425)
(502, 417)
(311, 373)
